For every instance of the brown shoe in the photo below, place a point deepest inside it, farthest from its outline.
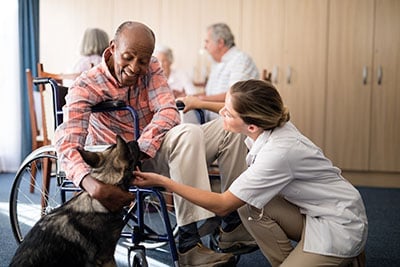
(202, 256)
(238, 241)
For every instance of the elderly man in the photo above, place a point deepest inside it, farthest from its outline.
(230, 64)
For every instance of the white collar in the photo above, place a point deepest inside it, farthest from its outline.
(255, 146)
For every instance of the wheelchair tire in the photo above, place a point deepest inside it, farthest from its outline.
(29, 200)
(137, 258)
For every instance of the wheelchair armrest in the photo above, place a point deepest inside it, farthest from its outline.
(109, 105)
(113, 105)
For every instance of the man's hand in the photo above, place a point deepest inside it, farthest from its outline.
(110, 196)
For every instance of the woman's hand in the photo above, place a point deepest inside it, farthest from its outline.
(148, 179)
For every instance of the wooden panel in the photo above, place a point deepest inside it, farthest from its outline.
(348, 98)
(385, 127)
(183, 35)
(305, 49)
(145, 11)
(62, 24)
(263, 32)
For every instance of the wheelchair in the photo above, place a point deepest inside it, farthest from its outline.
(40, 186)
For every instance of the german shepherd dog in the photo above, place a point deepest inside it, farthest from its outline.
(82, 232)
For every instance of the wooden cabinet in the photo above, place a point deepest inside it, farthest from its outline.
(385, 111)
(363, 90)
(289, 38)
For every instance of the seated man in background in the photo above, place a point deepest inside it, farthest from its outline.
(128, 72)
(230, 64)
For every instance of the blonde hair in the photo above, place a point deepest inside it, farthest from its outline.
(259, 102)
(94, 42)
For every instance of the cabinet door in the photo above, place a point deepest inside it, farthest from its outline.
(385, 115)
(303, 70)
(292, 40)
(348, 105)
(263, 32)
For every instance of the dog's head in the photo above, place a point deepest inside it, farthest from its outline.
(116, 164)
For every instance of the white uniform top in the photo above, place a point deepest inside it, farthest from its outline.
(235, 66)
(285, 162)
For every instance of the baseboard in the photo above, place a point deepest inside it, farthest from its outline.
(373, 179)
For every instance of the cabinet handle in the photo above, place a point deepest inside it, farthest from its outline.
(380, 73)
(274, 75)
(289, 75)
(365, 74)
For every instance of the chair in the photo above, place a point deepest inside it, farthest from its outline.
(47, 103)
(58, 77)
(37, 137)
(43, 134)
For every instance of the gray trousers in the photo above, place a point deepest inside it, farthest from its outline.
(275, 227)
(185, 154)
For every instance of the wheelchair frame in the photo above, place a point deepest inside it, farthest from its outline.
(138, 229)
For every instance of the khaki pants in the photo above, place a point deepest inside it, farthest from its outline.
(275, 227)
(185, 154)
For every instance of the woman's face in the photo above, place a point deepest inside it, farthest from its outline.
(165, 63)
(232, 120)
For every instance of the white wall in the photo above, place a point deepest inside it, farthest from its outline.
(10, 147)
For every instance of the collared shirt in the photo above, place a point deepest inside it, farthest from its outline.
(287, 163)
(235, 66)
(152, 99)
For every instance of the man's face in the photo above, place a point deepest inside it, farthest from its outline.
(211, 46)
(131, 55)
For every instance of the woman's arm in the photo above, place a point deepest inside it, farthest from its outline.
(219, 203)
(194, 102)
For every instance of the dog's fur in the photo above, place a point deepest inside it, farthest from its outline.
(82, 232)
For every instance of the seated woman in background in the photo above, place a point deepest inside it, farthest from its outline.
(290, 190)
(94, 42)
(178, 80)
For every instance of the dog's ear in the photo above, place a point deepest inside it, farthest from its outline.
(91, 158)
(134, 150)
(122, 147)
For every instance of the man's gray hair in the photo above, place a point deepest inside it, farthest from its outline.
(222, 31)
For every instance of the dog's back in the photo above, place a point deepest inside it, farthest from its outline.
(82, 232)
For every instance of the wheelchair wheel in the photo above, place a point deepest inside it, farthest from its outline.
(154, 223)
(35, 190)
(137, 258)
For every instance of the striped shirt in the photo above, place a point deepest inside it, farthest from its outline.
(152, 99)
